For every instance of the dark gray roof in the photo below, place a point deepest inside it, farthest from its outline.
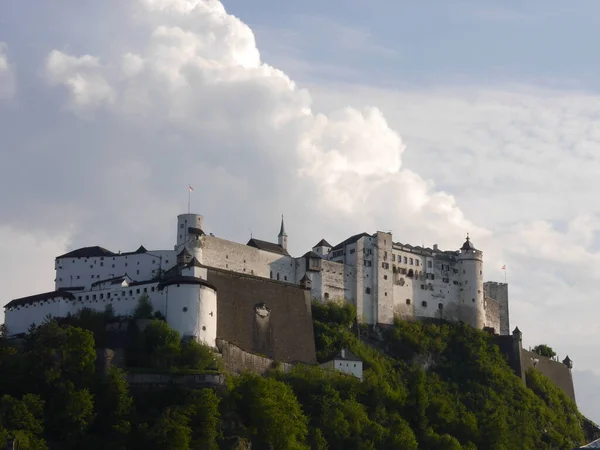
(194, 230)
(184, 252)
(185, 280)
(194, 263)
(322, 243)
(468, 245)
(350, 240)
(87, 252)
(349, 356)
(39, 297)
(267, 246)
(312, 254)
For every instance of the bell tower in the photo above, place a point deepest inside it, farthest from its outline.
(282, 238)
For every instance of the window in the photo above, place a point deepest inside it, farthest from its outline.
(367, 290)
(385, 265)
(130, 293)
(416, 262)
(410, 261)
(185, 309)
(385, 294)
(429, 264)
(473, 300)
(87, 297)
(405, 260)
(101, 296)
(385, 277)
(326, 295)
(424, 304)
(446, 280)
(78, 277)
(137, 272)
(94, 297)
(145, 290)
(384, 255)
(108, 295)
(152, 289)
(284, 277)
(181, 226)
(352, 251)
(408, 301)
(277, 275)
(113, 266)
(122, 293)
(271, 275)
(422, 286)
(393, 258)
(440, 306)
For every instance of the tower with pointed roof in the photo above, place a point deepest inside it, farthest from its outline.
(282, 237)
(471, 297)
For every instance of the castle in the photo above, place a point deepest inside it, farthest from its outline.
(383, 278)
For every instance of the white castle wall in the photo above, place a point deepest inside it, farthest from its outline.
(83, 272)
(193, 311)
(196, 320)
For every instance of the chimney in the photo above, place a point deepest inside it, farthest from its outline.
(343, 353)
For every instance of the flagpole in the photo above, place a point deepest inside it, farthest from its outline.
(189, 198)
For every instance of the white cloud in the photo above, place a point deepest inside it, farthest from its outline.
(8, 83)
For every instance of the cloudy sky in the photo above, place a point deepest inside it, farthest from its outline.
(430, 121)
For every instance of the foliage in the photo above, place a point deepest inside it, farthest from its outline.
(544, 350)
(425, 386)
(144, 308)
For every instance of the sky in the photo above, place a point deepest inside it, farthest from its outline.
(429, 119)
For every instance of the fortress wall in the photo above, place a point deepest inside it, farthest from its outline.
(228, 255)
(492, 314)
(333, 280)
(281, 329)
(499, 292)
(559, 373)
(237, 360)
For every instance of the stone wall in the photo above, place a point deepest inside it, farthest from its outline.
(558, 372)
(237, 360)
(492, 314)
(164, 379)
(223, 254)
(520, 360)
(264, 316)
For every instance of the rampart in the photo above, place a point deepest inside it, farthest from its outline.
(263, 316)
(237, 360)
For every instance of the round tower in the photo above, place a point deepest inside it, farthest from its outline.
(470, 267)
(191, 308)
(189, 232)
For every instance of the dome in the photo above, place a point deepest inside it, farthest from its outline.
(468, 245)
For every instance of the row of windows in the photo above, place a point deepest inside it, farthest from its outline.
(123, 294)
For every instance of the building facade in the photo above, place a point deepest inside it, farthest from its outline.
(383, 278)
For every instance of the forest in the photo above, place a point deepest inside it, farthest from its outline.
(425, 386)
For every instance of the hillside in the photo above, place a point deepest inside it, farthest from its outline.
(425, 386)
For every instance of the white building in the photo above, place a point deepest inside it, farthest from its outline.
(347, 362)
(383, 278)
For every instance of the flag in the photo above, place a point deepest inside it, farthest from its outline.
(191, 188)
(504, 267)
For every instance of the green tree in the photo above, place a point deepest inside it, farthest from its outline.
(271, 412)
(22, 420)
(544, 350)
(205, 418)
(144, 308)
(162, 345)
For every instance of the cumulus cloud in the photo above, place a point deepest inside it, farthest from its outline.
(8, 83)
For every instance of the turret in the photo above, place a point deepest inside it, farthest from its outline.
(470, 266)
(282, 237)
(189, 234)
(322, 248)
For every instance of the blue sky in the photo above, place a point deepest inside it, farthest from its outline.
(433, 42)
(430, 119)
